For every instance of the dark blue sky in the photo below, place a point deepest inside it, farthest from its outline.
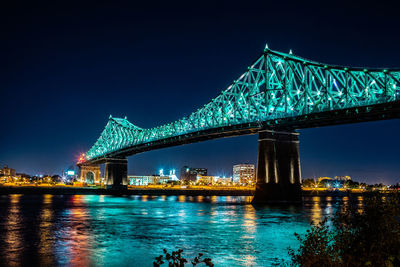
(66, 67)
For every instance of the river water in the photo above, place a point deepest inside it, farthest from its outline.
(97, 230)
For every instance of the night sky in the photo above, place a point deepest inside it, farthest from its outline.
(66, 67)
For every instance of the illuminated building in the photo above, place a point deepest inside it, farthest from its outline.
(172, 175)
(206, 179)
(5, 171)
(244, 173)
(190, 174)
(213, 179)
(223, 180)
(23, 177)
(146, 180)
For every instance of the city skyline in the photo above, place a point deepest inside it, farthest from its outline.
(77, 77)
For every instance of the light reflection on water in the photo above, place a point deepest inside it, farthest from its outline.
(316, 210)
(74, 238)
(45, 231)
(13, 234)
(360, 204)
(113, 231)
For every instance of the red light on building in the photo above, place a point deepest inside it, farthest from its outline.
(82, 158)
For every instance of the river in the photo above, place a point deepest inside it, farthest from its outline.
(93, 230)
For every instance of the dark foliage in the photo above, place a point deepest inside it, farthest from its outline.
(175, 259)
(358, 236)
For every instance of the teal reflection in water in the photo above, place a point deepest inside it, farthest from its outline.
(131, 231)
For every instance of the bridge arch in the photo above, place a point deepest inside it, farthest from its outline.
(89, 174)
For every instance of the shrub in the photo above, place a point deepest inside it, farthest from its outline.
(175, 259)
(357, 237)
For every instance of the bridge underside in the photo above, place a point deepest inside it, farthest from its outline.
(278, 168)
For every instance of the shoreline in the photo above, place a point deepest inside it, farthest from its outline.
(34, 190)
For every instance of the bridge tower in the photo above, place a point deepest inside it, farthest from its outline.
(116, 173)
(278, 177)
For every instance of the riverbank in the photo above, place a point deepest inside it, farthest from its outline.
(40, 190)
(159, 191)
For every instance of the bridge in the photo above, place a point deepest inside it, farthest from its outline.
(277, 94)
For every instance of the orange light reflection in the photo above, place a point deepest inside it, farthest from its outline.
(45, 232)
(78, 235)
(316, 211)
(13, 233)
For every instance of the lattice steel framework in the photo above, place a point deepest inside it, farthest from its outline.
(275, 86)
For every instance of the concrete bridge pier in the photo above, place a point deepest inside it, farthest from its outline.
(116, 173)
(278, 177)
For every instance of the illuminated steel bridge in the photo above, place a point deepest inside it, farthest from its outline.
(277, 94)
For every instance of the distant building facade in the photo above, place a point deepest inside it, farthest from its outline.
(190, 174)
(244, 173)
(205, 179)
(5, 171)
(213, 179)
(172, 175)
(223, 180)
(147, 179)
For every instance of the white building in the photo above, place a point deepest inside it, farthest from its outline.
(146, 180)
(244, 173)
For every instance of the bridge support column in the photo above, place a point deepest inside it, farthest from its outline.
(278, 177)
(116, 173)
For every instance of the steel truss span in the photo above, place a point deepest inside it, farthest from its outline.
(277, 90)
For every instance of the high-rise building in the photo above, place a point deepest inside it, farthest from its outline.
(244, 173)
(190, 174)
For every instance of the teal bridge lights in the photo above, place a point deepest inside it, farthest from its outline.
(277, 94)
(276, 87)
